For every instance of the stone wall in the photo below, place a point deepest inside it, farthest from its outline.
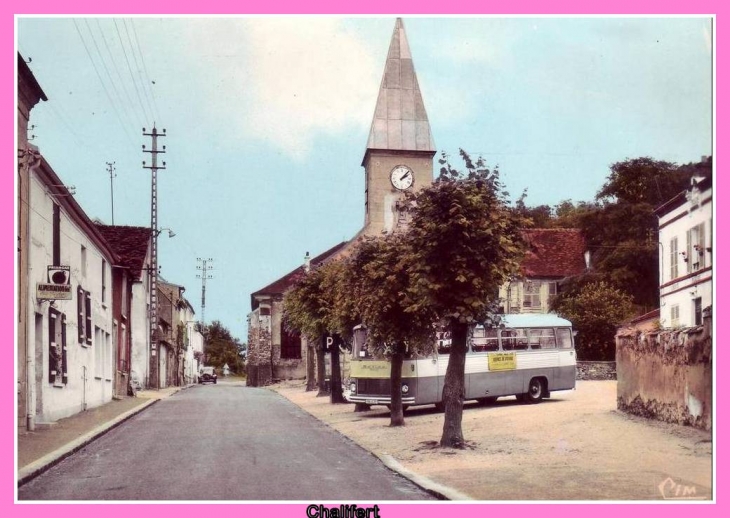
(258, 360)
(667, 375)
(595, 370)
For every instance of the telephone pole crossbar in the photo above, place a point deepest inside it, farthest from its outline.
(154, 378)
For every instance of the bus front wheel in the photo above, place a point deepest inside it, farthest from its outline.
(535, 391)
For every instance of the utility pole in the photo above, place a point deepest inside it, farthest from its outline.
(154, 378)
(204, 268)
(112, 175)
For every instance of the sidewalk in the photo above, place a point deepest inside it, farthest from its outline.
(47, 445)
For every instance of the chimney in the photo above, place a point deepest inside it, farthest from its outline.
(307, 265)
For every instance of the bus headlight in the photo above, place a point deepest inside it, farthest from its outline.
(404, 389)
(352, 387)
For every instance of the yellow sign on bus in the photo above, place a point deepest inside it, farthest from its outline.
(502, 361)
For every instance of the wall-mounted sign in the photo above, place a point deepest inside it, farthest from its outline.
(59, 275)
(53, 291)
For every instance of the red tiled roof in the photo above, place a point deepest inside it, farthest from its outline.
(129, 243)
(279, 286)
(553, 252)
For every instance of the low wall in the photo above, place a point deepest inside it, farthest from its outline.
(595, 370)
(667, 375)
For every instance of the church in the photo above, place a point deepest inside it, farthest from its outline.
(398, 158)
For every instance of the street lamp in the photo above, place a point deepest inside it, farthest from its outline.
(170, 233)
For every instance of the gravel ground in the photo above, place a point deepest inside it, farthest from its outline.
(574, 446)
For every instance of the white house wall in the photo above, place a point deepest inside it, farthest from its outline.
(89, 367)
(141, 329)
(690, 283)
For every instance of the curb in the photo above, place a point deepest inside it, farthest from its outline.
(35, 468)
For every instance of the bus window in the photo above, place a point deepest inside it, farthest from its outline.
(443, 342)
(542, 338)
(565, 338)
(514, 340)
(485, 340)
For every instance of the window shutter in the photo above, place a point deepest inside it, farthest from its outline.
(81, 316)
(701, 244)
(63, 348)
(51, 345)
(88, 318)
(688, 259)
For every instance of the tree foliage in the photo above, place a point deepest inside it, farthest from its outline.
(595, 308)
(464, 241)
(222, 348)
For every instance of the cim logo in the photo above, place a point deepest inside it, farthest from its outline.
(671, 490)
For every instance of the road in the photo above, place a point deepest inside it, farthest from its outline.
(222, 442)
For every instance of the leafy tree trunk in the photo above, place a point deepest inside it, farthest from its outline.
(336, 378)
(311, 378)
(396, 396)
(453, 394)
(320, 371)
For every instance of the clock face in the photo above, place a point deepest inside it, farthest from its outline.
(401, 177)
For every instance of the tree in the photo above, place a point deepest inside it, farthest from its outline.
(221, 347)
(377, 281)
(595, 308)
(464, 243)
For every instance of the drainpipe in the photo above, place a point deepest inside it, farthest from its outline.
(30, 164)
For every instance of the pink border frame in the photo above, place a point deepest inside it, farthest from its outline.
(638, 7)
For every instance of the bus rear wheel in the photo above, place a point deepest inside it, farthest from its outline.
(535, 391)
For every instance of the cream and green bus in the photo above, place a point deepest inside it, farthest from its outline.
(528, 356)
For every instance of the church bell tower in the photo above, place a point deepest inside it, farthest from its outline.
(400, 148)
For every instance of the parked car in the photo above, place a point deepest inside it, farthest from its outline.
(207, 374)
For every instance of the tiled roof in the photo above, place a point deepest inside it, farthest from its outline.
(129, 243)
(280, 286)
(554, 252)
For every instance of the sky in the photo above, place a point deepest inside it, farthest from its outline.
(267, 119)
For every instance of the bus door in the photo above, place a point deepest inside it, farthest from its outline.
(480, 382)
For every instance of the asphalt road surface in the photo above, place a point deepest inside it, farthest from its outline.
(222, 442)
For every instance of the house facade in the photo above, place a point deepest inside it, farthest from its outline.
(131, 244)
(551, 256)
(29, 94)
(686, 255)
(69, 302)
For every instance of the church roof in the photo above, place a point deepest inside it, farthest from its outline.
(400, 121)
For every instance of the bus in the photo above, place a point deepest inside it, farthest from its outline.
(528, 356)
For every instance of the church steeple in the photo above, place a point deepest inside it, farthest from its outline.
(400, 122)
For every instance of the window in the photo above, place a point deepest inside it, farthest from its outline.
(674, 316)
(443, 342)
(291, 343)
(56, 235)
(542, 338)
(98, 353)
(565, 339)
(83, 308)
(103, 281)
(514, 339)
(552, 291)
(485, 340)
(531, 295)
(125, 295)
(673, 259)
(698, 311)
(57, 367)
(83, 261)
(107, 357)
(696, 248)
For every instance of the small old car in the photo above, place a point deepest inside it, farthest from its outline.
(207, 375)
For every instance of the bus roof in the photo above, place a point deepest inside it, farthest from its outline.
(534, 320)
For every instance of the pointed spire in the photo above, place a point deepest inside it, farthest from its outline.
(400, 121)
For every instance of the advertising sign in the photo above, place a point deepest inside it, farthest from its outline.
(502, 361)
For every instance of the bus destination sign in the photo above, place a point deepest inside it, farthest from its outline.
(502, 361)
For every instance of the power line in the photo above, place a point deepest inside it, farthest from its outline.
(106, 69)
(116, 69)
(147, 77)
(119, 118)
(131, 74)
(134, 56)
